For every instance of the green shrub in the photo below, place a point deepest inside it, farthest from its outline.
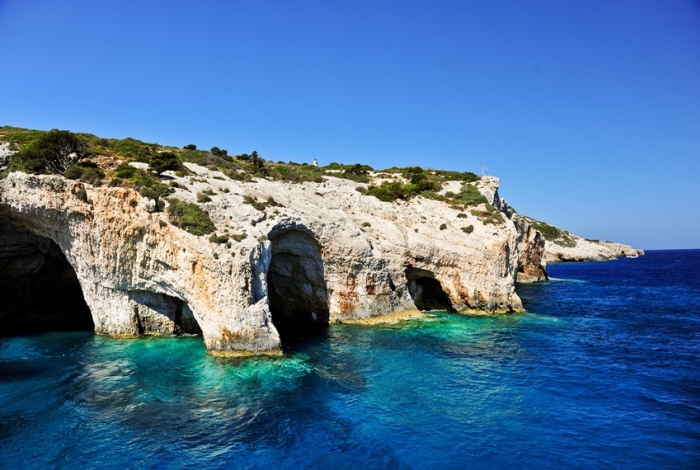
(133, 202)
(134, 148)
(490, 215)
(214, 238)
(356, 172)
(470, 196)
(366, 224)
(468, 229)
(446, 175)
(297, 173)
(261, 206)
(549, 232)
(164, 161)
(93, 176)
(190, 147)
(189, 217)
(124, 170)
(87, 172)
(73, 173)
(566, 240)
(53, 152)
(201, 198)
(461, 215)
(443, 226)
(149, 186)
(239, 236)
(81, 194)
(389, 191)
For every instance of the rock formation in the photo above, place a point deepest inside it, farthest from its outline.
(300, 255)
(580, 249)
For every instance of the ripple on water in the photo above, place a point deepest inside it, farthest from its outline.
(599, 373)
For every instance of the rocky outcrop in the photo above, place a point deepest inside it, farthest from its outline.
(580, 249)
(532, 266)
(321, 253)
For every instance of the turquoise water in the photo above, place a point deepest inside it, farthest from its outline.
(602, 372)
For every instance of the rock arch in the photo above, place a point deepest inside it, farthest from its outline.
(39, 288)
(160, 314)
(426, 291)
(297, 291)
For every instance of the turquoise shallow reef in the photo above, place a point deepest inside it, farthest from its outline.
(602, 372)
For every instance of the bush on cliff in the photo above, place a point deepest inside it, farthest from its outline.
(549, 232)
(190, 217)
(53, 153)
(490, 215)
(124, 170)
(164, 161)
(87, 172)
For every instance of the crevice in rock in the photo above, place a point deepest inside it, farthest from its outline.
(161, 314)
(39, 288)
(426, 291)
(297, 287)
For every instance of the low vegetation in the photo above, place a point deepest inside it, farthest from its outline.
(554, 234)
(76, 156)
(220, 239)
(189, 217)
(489, 215)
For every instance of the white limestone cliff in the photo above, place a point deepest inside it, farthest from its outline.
(324, 253)
(580, 249)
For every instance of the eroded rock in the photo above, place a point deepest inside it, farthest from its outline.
(322, 253)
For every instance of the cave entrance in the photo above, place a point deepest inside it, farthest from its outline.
(163, 315)
(426, 291)
(39, 289)
(297, 287)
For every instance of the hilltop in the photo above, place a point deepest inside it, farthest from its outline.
(163, 240)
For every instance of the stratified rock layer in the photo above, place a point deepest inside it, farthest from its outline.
(325, 253)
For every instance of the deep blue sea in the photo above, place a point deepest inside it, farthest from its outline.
(602, 372)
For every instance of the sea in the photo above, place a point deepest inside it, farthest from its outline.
(603, 371)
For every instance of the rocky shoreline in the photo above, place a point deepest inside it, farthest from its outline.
(323, 253)
(273, 258)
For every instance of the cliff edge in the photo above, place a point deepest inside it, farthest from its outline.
(282, 254)
(135, 239)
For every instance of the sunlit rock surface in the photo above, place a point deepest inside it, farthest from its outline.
(324, 253)
(580, 249)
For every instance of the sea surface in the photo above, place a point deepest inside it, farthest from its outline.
(602, 372)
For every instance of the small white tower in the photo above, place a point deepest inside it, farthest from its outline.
(315, 162)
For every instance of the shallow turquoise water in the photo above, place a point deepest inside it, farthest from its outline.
(603, 372)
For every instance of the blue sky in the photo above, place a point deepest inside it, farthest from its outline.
(588, 111)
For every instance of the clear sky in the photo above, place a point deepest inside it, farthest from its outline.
(588, 111)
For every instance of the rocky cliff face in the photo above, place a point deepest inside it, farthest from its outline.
(580, 249)
(323, 253)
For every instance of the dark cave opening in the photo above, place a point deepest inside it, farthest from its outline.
(39, 289)
(297, 287)
(426, 291)
(163, 315)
